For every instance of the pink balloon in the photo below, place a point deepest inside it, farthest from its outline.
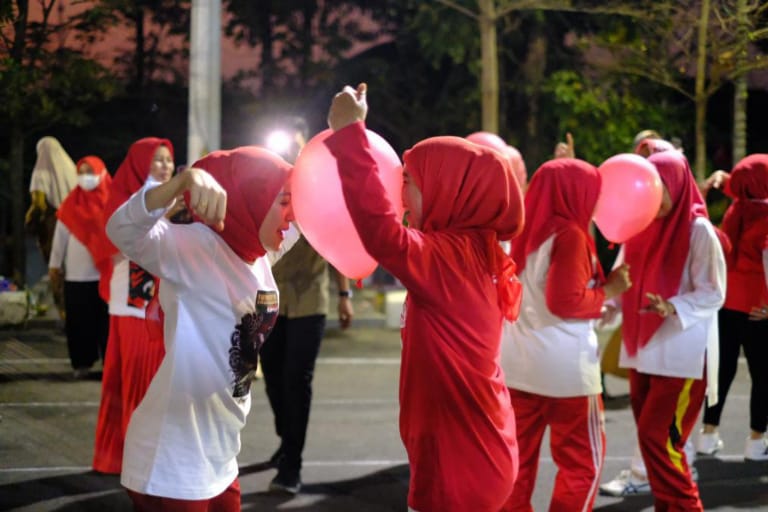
(493, 141)
(320, 209)
(630, 197)
(518, 166)
(490, 140)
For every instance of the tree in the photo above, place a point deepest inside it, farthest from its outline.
(299, 40)
(693, 47)
(153, 23)
(751, 20)
(488, 15)
(41, 83)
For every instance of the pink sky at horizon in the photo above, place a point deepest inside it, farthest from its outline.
(234, 57)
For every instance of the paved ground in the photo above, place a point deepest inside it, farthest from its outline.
(354, 457)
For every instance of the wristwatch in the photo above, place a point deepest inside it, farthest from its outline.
(345, 293)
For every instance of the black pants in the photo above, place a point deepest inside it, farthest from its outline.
(288, 362)
(736, 331)
(86, 324)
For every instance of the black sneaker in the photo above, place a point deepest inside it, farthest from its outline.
(286, 483)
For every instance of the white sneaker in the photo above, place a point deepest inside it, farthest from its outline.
(708, 444)
(756, 449)
(625, 484)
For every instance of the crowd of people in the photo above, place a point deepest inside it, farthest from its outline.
(504, 293)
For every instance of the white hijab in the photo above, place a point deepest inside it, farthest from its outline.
(54, 173)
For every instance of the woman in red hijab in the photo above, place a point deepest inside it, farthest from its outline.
(220, 303)
(550, 355)
(134, 351)
(677, 268)
(456, 420)
(743, 318)
(83, 253)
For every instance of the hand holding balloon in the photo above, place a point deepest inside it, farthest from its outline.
(349, 106)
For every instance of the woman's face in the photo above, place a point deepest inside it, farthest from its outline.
(276, 222)
(161, 168)
(666, 203)
(411, 201)
(84, 168)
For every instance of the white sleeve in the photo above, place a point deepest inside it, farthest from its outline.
(166, 250)
(40, 182)
(59, 245)
(291, 237)
(707, 274)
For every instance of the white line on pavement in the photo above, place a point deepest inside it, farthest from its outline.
(330, 463)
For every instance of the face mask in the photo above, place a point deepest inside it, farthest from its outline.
(88, 181)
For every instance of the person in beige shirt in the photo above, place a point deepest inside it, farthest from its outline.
(288, 356)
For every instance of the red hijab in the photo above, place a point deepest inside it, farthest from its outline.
(563, 192)
(82, 212)
(134, 171)
(656, 257)
(130, 177)
(746, 220)
(467, 187)
(252, 177)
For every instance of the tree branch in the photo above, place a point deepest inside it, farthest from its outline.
(461, 9)
(619, 9)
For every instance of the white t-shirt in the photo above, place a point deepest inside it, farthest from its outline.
(678, 347)
(184, 436)
(543, 353)
(77, 260)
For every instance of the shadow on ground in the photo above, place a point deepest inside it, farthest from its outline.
(735, 484)
(384, 490)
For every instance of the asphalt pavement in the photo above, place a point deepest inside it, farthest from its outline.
(354, 459)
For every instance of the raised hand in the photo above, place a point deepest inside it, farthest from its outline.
(347, 107)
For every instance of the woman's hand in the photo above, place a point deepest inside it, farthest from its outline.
(618, 281)
(55, 276)
(349, 106)
(207, 199)
(759, 313)
(716, 180)
(565, 149)
(660, 306)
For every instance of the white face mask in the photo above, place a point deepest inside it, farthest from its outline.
(88, 181)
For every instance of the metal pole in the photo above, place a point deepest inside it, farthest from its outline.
(204, 116)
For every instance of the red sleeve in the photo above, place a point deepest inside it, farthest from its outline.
(400, 250)
(570, 272)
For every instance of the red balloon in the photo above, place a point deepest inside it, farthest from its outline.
(320, 209)
(630, 197)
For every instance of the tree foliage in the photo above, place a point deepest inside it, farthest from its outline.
(41, 83)
(158, 31)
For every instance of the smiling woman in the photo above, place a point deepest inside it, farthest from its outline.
(242, 207)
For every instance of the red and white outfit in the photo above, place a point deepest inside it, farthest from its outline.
(220, 302)
(456, 421)
(550, 355)
(680, 258)
(134, 350)
(78, 246)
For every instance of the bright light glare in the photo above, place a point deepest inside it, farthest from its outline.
(279, 142)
